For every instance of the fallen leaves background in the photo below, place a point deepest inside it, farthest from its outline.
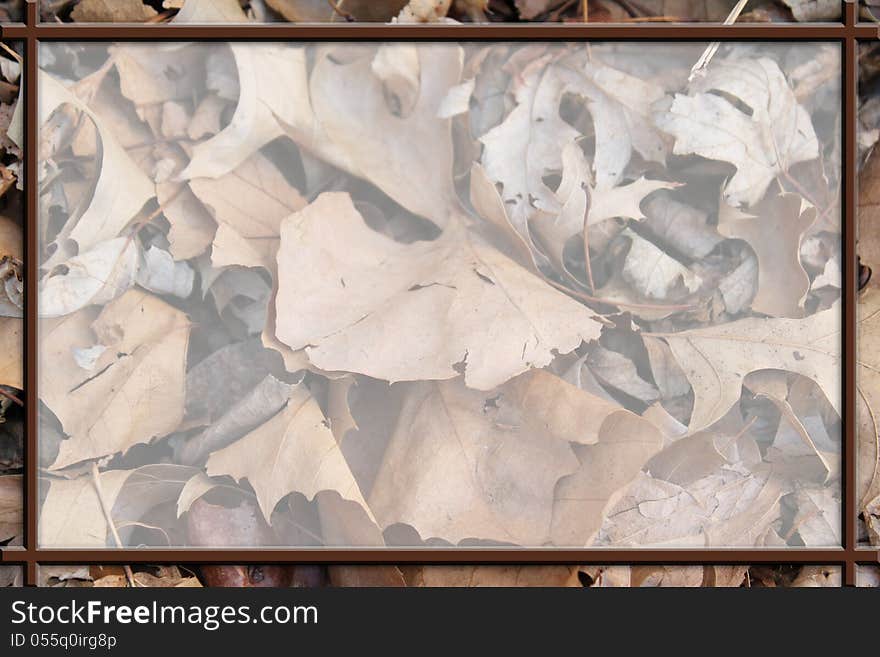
(569, 576)
(771, 390)
(206, 11)
(410, 295)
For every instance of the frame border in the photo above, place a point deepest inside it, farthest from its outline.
(848, 34)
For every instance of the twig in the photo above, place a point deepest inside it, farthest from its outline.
(96, 481)
(11, 397)
(337, 10)
(615, 302)
(587, 264)
(11, 53)
(710, 51)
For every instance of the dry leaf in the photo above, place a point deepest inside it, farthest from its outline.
(762, 144)
(11, 507)
(318, 11)
(868, 489)
(655, 274)
(583, 500)
(716, 359)
(211, 11)
(455, 469)
(111, 206)
(72, 514)
(11, 348)
(452, 301)
(396, 151)
(293, 451)
(136, 392)
(775, 232)
(112, 11)
(95, 277)
(248, 205)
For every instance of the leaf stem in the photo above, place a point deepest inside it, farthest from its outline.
(96, 481)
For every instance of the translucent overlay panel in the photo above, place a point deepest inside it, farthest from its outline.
(433, 295)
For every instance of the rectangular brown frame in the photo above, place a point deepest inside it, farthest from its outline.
(847, 33)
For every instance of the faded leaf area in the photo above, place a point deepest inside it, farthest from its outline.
(401, 295)
(420, 11)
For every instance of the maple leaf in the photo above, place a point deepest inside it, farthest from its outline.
(762, 141)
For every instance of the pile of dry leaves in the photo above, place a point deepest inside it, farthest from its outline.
(419, 294)
(11, 272)
(430, 295)
(428, 11)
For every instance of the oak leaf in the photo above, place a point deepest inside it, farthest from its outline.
(775, 232)
(293, 451)
(762, 142)
(717, 359)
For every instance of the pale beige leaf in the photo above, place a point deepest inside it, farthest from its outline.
(112, 11)
(452, 301)
(457, 100)
(112, 205)
(11, 507)
(582, 500)
(318, 11)
(11, 352)
(528, 145)
(293, 451)
(138, 393)
(396, 150)
(72, 515)
(654, 273)
(153, 73)
(248, 205)
(424, 11)
(582, 203)
(274, 83)
(868, 472)
(95, 277)
(724, 509)
(620, 106)
(716, 359)
(777, 134)
(775, 232)
(818, 517)
(211, 11)
(456, 468)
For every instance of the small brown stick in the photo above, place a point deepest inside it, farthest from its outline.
(587, 264)
(11, 397)
(612, 302)
(96, 481)
(161, 17)
(710, 51)
(337, 10)
(11, 52)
